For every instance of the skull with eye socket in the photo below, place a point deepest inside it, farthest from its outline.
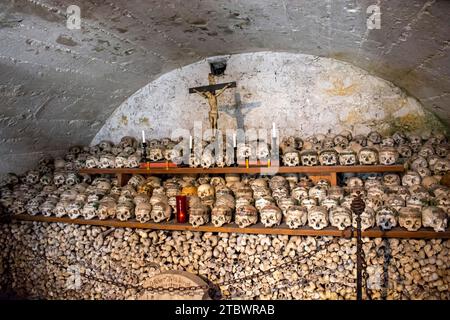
(368, 156)
(386, 218)
(410, 218)
(340, 217)
(404, 151)
(434, 217)
(328, 157)
(442, 150)
(318, 217)
(309, 158)
(426, 151)
(387, 142)
(348, 158)
(341, 141)
(388, 156)
(220, 215)
(374, 137)
(246, 216)
(441, 167)
(291, 158)
(296, 216)
(411, 178)
(270, 216)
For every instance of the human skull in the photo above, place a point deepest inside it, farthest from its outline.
(243, 151)
(270, 216)
(309, 158)
(399, 137)
(317, 192)
(128, 141)
(391, 180)
(328, 158)
(375, 191)
(161, 211)
(120, 160)
(91, 162)
(374, 137)
(386, 217)
(426, 151)
(59, 178)
(107, 209)
(388, 156)
(298, 193)
(74, 209)
(394, 201)
(143, 212)
(329, 203)
(198, 215)
(410, 218)
(442, 150)
(285, 203)
(387, 142)
(296, 216)
(246, 216)
(264, 201)
(318, 217)
(90, 210)
(340, 217)
(107, 160)
(434, 217)
(336, 193)
(441, 167)
(347, 158)
(423, 172)
(308, 203)
(206, 191)
(354, 182)
(207, 160)
(291, 158)
(262, 150)
(125, 210)
(367, 219)
(404, 151)
(341, 141)
(368, 156)
(221, 214)
(411, 178)
(195, 160)
(156, 153)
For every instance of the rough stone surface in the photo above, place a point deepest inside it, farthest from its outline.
(302, 94)
(58, 86)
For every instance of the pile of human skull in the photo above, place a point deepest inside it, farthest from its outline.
(417, 269)
(326, 150)
(410, 201)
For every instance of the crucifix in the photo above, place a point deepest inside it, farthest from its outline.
(211, 92)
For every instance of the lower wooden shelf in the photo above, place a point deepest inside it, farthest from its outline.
(424, 233)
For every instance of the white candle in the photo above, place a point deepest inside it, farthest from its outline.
(143, 136)
(190, 142)
(273, 130)
(234, 140)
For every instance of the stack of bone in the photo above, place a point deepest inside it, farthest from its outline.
(61, 261)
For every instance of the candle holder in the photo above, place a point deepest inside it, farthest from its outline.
(182, 213)
(235, 158)
(144, 153)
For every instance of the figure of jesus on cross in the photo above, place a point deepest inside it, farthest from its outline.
(211, 93)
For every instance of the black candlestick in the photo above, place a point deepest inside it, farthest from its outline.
(144, 152)
(235, 158)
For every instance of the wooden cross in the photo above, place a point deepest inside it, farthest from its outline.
(209, 93)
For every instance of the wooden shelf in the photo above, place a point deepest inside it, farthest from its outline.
(315, 173)
(254, 170)
(424, 233)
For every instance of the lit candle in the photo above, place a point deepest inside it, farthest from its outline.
(190, 142)
(273, 130)
(143, 136)
(234, 140)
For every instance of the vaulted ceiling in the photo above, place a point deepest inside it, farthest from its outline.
(58, 86)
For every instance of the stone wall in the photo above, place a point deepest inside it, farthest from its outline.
(44, 260)
(302, 94)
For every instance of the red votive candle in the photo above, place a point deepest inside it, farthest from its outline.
(182, 215)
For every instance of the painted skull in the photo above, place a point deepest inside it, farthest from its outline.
(374, 137)
(309, 158)
(246, 216)
(308, 203)
(329, 203)
(198, 215)
(270, 216)
(341, 141)
(410, 218)
(74, 209)
(207, 160)
(221, 214)
(125, 210)
(91, 162)
(317, 217)
(411, 178)
(318, 193)
(143, 212)
(291, 158)
(386, 218)
(340, 217)
(361, 140)
(368, 156)
(434, 217)
(404, 151)
(347, 158)
(262, 150)
(264, 201)
(388, 156)
(156, 153)
(298, 193)
(107, 209)
(89, 210)
(328, 158)
(387, 142)
(296, 216)
(107, 160)
(285, 203)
